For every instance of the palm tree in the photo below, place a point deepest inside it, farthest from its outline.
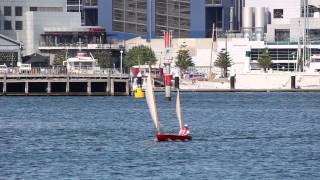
(184, 60)
(264, 61)
(223, 61)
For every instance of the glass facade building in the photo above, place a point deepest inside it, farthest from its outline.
(130, 16)
(173, 15)
(185, 18)
(136, 16)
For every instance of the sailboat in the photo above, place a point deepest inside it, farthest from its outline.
(151, 101)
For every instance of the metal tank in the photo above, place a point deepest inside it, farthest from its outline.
(247, 13)
(260, 22)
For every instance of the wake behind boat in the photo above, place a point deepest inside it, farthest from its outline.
(151, 101)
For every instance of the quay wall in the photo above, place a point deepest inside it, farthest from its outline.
(263, 81)
(257, 81)
(277, 81)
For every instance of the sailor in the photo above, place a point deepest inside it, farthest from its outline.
(184, 131)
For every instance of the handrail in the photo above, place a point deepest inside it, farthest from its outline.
(64, 71)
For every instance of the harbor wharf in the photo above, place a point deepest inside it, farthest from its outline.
(105, 83)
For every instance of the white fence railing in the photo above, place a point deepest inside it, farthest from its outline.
(63, 71)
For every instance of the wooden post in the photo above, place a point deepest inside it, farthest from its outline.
(26, 87)
(89, 87)
(68, 85)
(127, 88)
(112, 87)
(109, 83)
(49, 87)
(4, 88)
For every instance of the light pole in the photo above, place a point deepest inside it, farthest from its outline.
(121, 51)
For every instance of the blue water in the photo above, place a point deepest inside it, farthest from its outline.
(235, 136)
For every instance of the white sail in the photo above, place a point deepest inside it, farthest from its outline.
(150, 98)
(179, 111)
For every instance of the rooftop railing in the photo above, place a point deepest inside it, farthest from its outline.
(43, 45)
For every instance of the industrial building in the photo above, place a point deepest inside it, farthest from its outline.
(289, 28)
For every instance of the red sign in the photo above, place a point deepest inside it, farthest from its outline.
(96, 29)
(167, 39)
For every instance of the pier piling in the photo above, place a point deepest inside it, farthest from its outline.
(232, 82)
(4, 86)
(176, 82)
(293, 82)
(89, 87)
(65, 84)
(26, 87)
(49, 87)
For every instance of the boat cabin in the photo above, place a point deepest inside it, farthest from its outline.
(81, 64)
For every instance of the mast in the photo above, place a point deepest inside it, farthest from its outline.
(299, 49)
(210, 65)
(304, 32)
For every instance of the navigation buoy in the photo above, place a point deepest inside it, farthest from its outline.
(139, 93)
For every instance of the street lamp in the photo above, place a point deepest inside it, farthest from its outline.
(121, 51)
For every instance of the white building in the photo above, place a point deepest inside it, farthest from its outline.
(25, 20)
(284, 29)
(273, 24)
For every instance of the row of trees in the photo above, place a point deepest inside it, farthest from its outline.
(223, 60)
(145, 55)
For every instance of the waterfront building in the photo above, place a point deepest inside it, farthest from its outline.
(277, 26)
(288, 32)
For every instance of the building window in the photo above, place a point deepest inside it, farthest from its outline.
(314, 35)
(282, 35)
(18, 11)
(19, 25)
(7, 11)
(33, 8)
(214, 2)
(7, 25)
(278, 13)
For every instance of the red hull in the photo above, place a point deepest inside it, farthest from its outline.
(172, 137)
